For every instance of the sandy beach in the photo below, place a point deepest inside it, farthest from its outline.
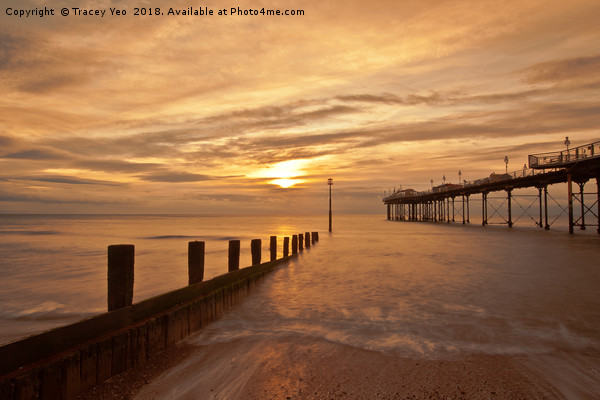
(307, 368)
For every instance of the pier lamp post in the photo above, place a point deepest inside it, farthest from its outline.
(432, 184)
(444, 179)
(459, 177)
(330, 183)
(506, 162)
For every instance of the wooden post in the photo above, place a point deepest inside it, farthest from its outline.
(195, 262)
(255, 249)
(315, 237)
(286, 246)
(234, 255)
(273, 248)
(294, 244)
(300, 242)
(307, 239)
(120, 275)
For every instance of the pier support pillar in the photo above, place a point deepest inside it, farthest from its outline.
(597, 193)
(120, 275)
(546, 224)
(581, 185)
(468, 216)
(540, 202)
(484, 220)
(389, 211)
(255, 250)
(196, 252)
(453, 209)
(234, 255)
(509, 195)
(570, 199)
(463, 208)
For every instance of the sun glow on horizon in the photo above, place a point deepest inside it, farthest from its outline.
(284, 174)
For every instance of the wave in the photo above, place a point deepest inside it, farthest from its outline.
(33, 233)
(216, 238)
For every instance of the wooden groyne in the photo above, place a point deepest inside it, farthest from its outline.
(66, 361)
(576, 165)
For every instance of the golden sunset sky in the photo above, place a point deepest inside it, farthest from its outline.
(221, 114)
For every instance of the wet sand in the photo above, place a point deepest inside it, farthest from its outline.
(308, 368)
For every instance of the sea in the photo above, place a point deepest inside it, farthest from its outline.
(417, 289)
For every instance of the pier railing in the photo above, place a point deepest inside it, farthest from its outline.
(559, 159)
(494, 177)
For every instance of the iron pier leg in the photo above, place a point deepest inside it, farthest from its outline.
(463, 208)
(510, 223)
(448, 208)
(581, 185)
(453, 210)
(434, 211)
(598, 193)
(540, 201)
(546, 226)
(468, 216)
(484, 209)
(388, 212)
(570, 189)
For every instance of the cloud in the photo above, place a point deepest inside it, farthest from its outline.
(567, 69)
(71, 180)
(176, 177)
(37, 154)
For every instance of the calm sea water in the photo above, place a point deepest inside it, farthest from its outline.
(418, 289)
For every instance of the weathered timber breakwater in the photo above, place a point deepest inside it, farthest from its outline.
(66, 361)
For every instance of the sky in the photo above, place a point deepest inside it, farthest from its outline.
(227, 114)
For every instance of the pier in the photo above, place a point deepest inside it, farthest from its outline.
(451, 202)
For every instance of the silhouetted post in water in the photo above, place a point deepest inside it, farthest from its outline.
(307, 239)
(234, 255)
(286, 246)
(330, 183)
(294, 244)
(300, 241)
(315, 237)
(120, 275)
(255, 245)
(195, 262)
(273, 248)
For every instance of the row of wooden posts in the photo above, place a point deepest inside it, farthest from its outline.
(121, 261)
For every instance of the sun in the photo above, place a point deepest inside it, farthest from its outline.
(284, 174)
(284, 182)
